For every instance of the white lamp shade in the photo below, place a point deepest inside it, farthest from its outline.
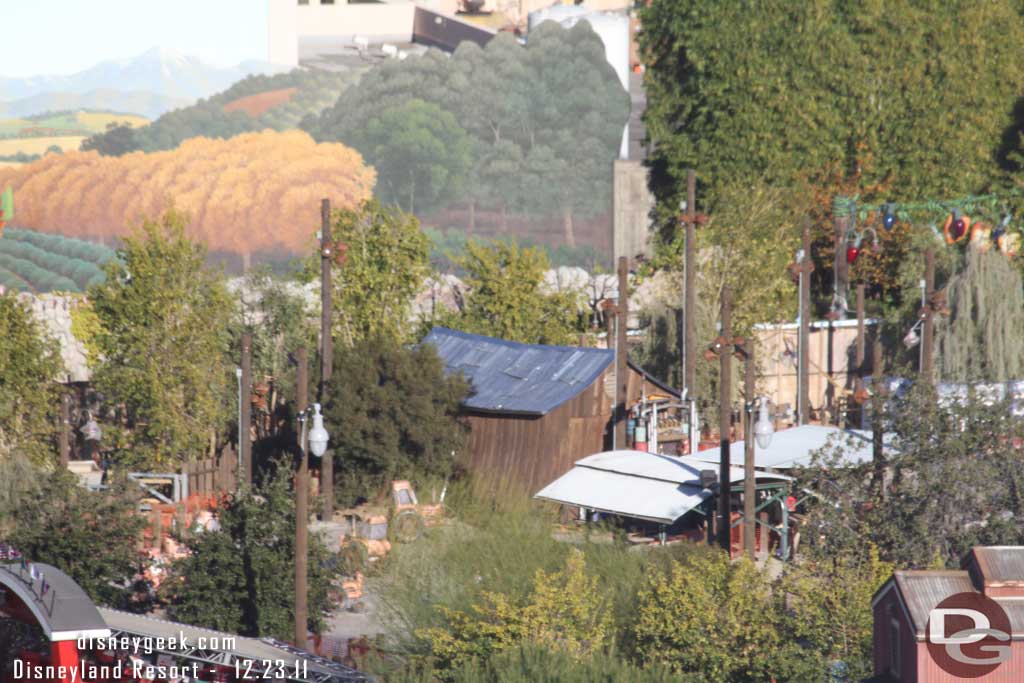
(763, 428)
(318, 436)
(91, 431)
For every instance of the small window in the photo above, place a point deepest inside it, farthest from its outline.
(894, 648)
(303, 2)
(326, 2)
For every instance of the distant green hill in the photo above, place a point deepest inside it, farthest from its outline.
(43, 262)
(79, 122)
(315, 90)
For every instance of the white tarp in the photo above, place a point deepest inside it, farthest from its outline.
(659, 488)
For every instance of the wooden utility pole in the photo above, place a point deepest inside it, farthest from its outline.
(64, 429)
(724, 344)
(877, 455)
(859, 350)
(245, 412)
(841, 269)
(928, 332)
(622, 355)
(749, 523)
(806, 266)
(326, 351)
(301, 503)
(690, 288)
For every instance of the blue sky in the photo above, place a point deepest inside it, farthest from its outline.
(65, 36)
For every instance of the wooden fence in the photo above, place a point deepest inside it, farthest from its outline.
(212, 475)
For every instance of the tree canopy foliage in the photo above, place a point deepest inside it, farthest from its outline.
(258, 192)
(384, 259)
(29, 364)
(929, 91)
(506, 297)
(392, 413)
(420, 152)
(89, 535)
(981, 340)
(164, 341)
(546, 120)
(240, 577)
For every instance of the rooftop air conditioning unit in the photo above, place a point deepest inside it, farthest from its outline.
(361, 42)
(389, 50)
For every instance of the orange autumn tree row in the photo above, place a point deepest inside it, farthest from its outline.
(256, 192)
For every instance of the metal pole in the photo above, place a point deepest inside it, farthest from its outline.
(929, 316)
(803, 411)
(724, 420)
(749, 523)
(63, 435)
(301, 505)
(622, 355)
(245, 412)
(326, 351)
(690, 288)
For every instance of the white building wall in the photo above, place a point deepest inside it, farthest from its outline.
(282, 35)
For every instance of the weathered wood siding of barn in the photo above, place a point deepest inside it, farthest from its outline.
(527, 453)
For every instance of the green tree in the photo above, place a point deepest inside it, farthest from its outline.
(922, 518)
(29, 364)
(744, 91)
(421, 154)
(164, 343)
(684, 610)
(829, 603)
(386, 260)
(392, 413)
(564, 612)
(118, 140)
(97, 550)
(981, 339)
(506, 297)
(240, 577)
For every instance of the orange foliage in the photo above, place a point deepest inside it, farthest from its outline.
(256, 192)
(261, 102)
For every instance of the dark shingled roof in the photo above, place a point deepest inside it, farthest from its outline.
(518, 379)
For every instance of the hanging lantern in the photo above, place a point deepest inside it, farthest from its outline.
(1009, 243)
(956, 227)
(888, 217)
(981, 236)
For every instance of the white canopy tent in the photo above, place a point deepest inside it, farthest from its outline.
(649, 486)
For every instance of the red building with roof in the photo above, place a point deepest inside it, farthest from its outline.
(925, 621)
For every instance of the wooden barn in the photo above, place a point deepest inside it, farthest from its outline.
(535, 410)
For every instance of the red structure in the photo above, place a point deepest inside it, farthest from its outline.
(924, 621)
(43, 613)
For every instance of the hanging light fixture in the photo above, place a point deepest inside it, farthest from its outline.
(91, 430)
(318, 436)
(888, 216)
(763, 428)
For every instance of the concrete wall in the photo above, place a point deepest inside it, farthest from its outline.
(632, 202)
(54, 313)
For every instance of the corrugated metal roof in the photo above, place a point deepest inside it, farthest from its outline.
(922, 591)
(795, 447)
(1000, 564)
(520, 379)
(649, 486)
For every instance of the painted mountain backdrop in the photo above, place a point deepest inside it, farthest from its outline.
(154, 82)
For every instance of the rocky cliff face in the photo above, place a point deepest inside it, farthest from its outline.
(54, 312)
